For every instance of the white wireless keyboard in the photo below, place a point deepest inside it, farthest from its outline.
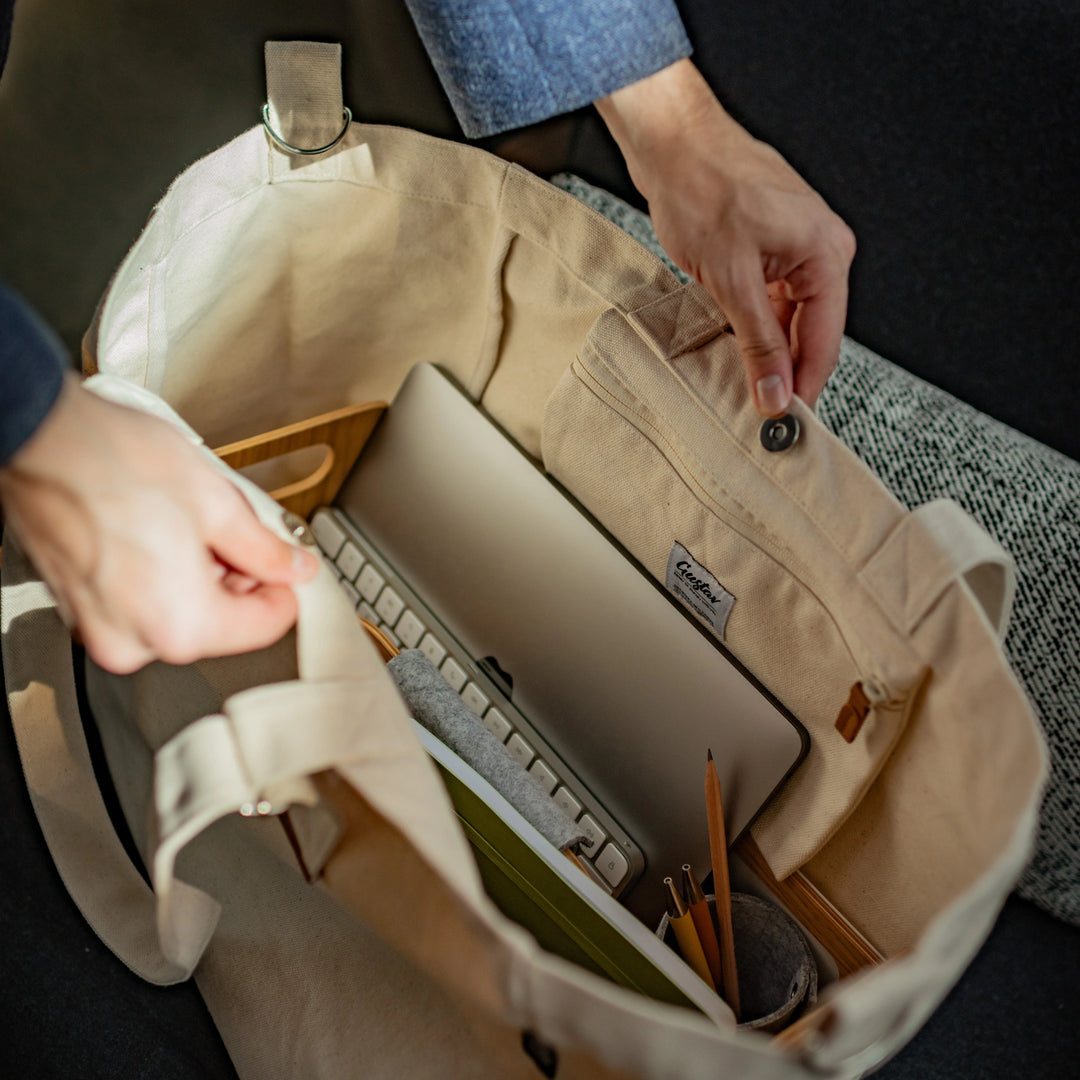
(385, 600)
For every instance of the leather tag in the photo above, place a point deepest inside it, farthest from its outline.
(854, 712)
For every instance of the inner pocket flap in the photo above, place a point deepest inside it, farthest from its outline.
(745, 570)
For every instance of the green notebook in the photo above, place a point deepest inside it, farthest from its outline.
(540, 889)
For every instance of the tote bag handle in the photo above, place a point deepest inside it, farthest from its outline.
(933, 547)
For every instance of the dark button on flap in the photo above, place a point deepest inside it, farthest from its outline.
(779, 433)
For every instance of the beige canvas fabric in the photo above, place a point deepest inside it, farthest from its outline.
(650, 427)
(397, 934)
(268, 288)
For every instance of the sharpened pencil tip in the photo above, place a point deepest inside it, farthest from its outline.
(710, 755)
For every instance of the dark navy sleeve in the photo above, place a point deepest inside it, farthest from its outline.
(508, 63)
(32, 359)
(7, 10)
(32, 365)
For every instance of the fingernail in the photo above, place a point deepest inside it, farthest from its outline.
(771, 395)
(303, 562)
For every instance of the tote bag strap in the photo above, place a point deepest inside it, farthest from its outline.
(95, 869)
(304, 112)
(933, 547)
(39, 674)
(219, 765)
(343, 713)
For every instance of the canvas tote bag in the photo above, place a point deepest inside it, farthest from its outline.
(270, 286)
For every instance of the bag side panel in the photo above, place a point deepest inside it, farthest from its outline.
(946, 804)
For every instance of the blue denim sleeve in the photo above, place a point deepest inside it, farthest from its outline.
(507, 63)
(32, 365)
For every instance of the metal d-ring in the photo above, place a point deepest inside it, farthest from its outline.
(288, 147)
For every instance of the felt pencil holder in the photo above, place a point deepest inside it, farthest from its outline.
(777, 973)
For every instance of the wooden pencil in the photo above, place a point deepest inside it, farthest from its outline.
(714, 806)
(703, 923)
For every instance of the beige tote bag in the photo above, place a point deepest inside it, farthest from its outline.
(270, 286)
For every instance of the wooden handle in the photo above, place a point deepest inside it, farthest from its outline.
(343, 431)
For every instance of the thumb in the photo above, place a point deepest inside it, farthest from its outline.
(245, 545)
(766, 354)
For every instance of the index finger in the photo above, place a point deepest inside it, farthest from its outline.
(762, 343)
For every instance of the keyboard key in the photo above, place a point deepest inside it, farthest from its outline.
(611, 862)
(541, 772)
(520, 750)
(433, 649)
(389, 606)
(453, 673)
(350, 592)
(370, 583)
(328, 533)
(567, 803)
(349, 561)
(366, 611)
(394, 639)
(475, 698)
(497, 724)
(594, 835)
(410, 629)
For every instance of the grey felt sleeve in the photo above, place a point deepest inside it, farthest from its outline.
(434, 704)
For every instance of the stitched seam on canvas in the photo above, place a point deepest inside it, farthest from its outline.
(604, 393)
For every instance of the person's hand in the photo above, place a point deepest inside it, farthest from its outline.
(734, 215)
(148, 550)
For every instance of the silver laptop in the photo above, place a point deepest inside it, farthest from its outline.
(606, 689)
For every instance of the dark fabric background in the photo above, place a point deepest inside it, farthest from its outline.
(7, 10)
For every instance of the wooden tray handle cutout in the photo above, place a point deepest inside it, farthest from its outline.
(342, 432)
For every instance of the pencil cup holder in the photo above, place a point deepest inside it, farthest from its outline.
(777, 973)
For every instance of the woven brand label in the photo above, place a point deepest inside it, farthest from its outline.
(691, 583)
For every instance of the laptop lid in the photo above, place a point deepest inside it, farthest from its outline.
(623, 683)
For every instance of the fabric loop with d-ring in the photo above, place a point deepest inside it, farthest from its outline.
(289, 148)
